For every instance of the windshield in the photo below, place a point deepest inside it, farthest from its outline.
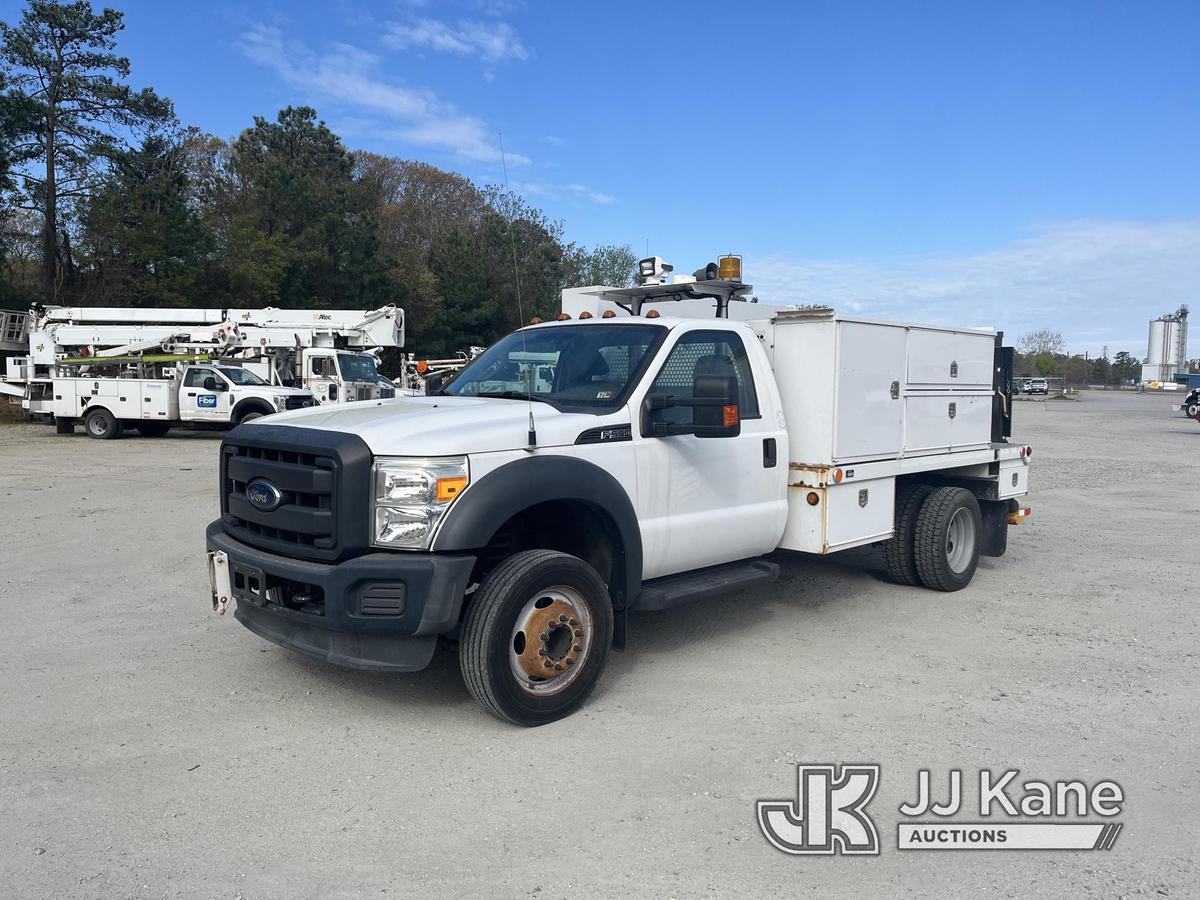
(357, 367)
(240, 376)
(571, 365)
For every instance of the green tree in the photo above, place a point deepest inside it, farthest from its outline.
(613, 265)
(143, 241)
(1076, 371)
(1046, 365)
(1101, 371)
(1125, 368)
(61, 67)
(294, 200)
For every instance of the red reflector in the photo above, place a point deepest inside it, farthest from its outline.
(1029, 451)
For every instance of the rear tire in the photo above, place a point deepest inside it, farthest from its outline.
(947, 542)
(536, 637)
(101, 424)
(152, 429)
(898, 552)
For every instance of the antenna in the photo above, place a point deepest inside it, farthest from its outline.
(520, 309)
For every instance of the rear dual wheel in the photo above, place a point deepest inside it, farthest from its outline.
(102, 425)
(536, 637)
(937, 537)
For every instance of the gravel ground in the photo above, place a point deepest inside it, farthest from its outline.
(152, 749)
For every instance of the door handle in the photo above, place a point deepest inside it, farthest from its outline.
(769, 454)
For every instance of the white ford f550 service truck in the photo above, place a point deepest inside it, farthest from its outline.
(623, 458)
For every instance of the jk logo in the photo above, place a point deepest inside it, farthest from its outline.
(827, 815)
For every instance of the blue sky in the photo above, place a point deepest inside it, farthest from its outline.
(1019, 164)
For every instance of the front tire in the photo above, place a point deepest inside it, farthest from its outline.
(249, 417)
(947, 541)
(536, 637)
(1192, 409)
(102, 425)
(152, 429)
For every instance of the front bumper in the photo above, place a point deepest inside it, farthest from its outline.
(378, 611)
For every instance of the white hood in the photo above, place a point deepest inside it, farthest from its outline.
(444, 425)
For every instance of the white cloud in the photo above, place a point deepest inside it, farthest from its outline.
(493, 42)
(571, 191)
(349, 76)
(1098, 282)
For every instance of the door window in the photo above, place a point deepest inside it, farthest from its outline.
(321, 366)
(195, 377)
(705, 353)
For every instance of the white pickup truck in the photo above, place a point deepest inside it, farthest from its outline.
(616, 460)
(210, 394)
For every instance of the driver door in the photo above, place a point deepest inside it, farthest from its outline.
(204, 396)
(320, 377)
(703, 501)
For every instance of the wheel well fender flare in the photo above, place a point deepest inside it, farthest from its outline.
(516, 486)
(250, 404)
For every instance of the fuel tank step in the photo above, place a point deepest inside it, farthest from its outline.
(675, 590)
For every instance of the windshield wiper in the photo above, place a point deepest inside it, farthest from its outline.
(514, 395)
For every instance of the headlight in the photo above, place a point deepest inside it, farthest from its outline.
(410, 497)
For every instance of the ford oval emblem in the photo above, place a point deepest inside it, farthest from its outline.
(263, 495)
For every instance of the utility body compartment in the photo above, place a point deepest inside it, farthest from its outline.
(865, 402)
(858, 390)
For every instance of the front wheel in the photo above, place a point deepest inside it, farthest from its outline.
(536, 637)
(1192, 409)
(152, 429)
(946, 544)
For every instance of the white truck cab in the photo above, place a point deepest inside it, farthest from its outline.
(619, 459)
(198, 394)
(343, 376)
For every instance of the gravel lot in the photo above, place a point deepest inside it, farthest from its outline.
(152, 749)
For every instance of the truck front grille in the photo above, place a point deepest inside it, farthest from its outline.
(297, 402)
(301, 474)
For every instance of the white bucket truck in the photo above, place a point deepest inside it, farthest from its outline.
(652, 447)
(258, 362)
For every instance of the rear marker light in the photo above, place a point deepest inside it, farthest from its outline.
(813, 498)
(609, 314)
(585, 315)
(837, 476)
(562, 317)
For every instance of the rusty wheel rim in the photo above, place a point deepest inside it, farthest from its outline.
(551, 640)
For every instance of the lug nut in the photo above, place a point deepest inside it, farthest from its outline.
(542, 652)
(578, 648)
(549, 665)
(562, 618)
(545, 636)
(558, 668)
(578, 632)
(570, 660)
(574, 622)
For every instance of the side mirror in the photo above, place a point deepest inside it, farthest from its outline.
(210, 384)
(715, 410)
(333, 392)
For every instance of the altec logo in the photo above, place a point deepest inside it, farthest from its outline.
(829, 814)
